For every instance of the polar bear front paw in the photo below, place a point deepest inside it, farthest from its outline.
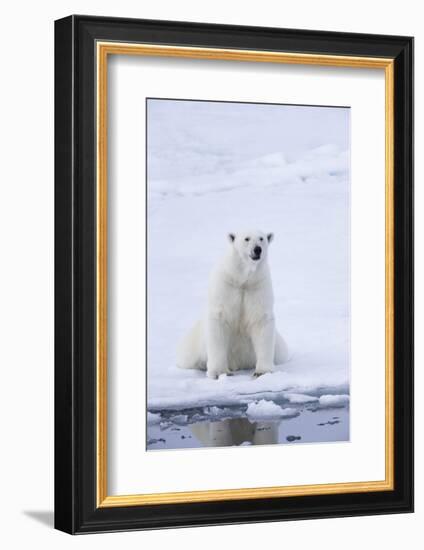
(260, 371)
(215, 372)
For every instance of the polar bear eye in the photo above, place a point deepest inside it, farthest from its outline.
(247, 239)
(261, 239)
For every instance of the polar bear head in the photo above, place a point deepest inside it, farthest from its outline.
(252, 246)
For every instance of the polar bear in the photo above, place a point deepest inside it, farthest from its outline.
(238, 329)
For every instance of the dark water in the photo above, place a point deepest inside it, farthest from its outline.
(232, 427)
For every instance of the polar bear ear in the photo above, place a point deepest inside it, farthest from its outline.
(270, 237)
(231, 237)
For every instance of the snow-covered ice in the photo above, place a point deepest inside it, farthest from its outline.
(153, 418)
(333, 400)
(214, 168)
(300, 398)
(263, 409)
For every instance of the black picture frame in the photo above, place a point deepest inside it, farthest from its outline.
(76, 509)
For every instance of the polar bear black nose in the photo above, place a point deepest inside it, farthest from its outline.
(257, 250)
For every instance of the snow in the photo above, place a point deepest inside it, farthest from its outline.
(300, 399)
(263, 409)
(180, 419)
(333, 400)
(153, 418)
(213, 168)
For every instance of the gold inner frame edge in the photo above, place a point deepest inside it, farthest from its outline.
(103, 49)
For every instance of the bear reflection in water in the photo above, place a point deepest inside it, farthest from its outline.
(235, 431)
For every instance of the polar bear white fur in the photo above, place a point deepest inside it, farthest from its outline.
(238, 330)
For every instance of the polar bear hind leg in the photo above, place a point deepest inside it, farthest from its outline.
(281, 353)
(191, 352)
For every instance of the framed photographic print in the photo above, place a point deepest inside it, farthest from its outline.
(234, 274)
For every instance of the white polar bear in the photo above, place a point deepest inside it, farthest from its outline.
(238, 330)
